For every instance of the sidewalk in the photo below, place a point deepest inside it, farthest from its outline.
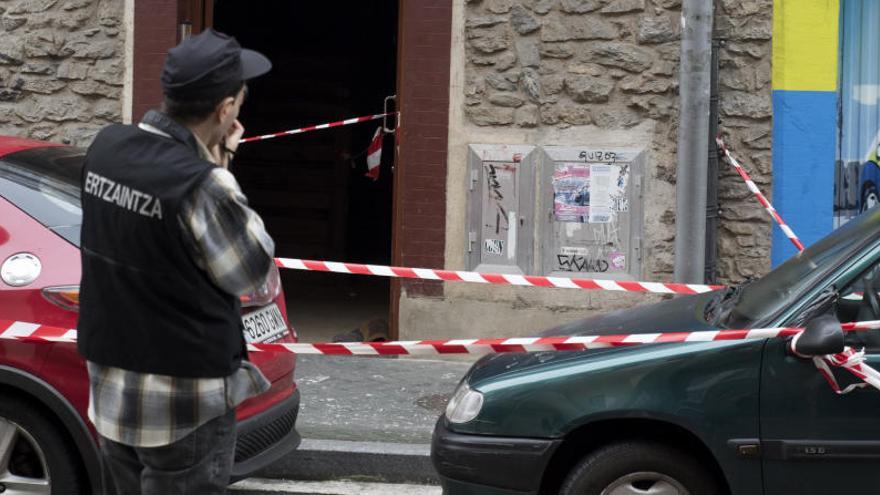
(368, 418)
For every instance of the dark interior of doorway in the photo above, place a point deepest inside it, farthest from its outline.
(331, 60)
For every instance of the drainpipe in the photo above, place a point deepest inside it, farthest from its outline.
(693, 134)
(713, 208)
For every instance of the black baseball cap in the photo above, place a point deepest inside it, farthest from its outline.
(209, 65)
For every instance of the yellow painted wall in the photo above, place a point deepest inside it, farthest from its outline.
(805, 39)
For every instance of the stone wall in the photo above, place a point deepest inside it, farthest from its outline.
(61, 68)
(609, 65)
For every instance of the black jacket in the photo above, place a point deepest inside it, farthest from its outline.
(145, 305)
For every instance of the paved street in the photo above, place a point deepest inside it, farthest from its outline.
(393, 400)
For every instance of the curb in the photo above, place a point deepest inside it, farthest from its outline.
(362, 461)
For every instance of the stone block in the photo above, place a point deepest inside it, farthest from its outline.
(55, 109)
(656, 107)
(732, 188)
(489, 40)
(615, 118)
(625, 56)
(31, 6)
(541, 7)
(38, 68)
(9, 94)
(556, 50)
(743, 104)
(484, 21)
(578, 28)
(527, 52)
(656, 29)
(43, 86)
(109, 110)
(531, 84)
(552, 84)
(623, 6)
(741, 228)
(576, 115)
(763, 73)
(483, 115)
(42, 132)
(744, 8)
(743, 211)
(740, 79)
(77, 20)
(588, 89)
(46, 43)
(527, 116)
(641, 84)
(497, 81)
(110, 13)
(579, 6)
(77, 4)
(505, 61)
(511, 100)
(12, 92)
(663, 68)
(499, 6)
(94, 88)
(550, 114)
(12, 23)
(91, 49)
(757, 50)
(111, 71)
(591, 69)
(11, 50)
(72, 70)
(522, 22)
(752, 29)
(481, 59)
(758, 137)
(762, 165)
(79, 135)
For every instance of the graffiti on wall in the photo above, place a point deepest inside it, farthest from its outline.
(500, 202)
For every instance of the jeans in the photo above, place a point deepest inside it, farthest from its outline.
(197, 463)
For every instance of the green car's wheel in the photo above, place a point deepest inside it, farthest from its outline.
(639, 468)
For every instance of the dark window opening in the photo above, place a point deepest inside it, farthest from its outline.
(331, 61)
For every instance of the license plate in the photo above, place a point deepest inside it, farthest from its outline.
(264, 325)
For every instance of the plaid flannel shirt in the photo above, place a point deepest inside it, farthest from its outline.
(228, 240)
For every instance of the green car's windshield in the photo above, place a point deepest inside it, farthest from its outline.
(765, 297)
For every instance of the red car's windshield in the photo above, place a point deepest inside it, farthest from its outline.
(45, 184)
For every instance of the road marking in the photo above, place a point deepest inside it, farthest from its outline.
(333, 487)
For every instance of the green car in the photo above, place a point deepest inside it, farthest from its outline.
(734, 417)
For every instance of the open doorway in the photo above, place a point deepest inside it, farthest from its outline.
(331, 61)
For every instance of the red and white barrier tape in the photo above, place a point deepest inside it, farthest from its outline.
(761, 198)
(328, 125)
(44, 333)
(494, 278)
(852, 361)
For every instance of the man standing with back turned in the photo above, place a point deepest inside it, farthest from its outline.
(168, 246)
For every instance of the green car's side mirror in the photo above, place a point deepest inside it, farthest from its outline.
(822, 335)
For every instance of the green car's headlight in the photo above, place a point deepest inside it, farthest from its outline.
(464, 405)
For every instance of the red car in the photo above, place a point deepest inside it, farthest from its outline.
(46, 439)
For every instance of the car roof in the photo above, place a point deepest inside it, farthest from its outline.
(12, 144)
